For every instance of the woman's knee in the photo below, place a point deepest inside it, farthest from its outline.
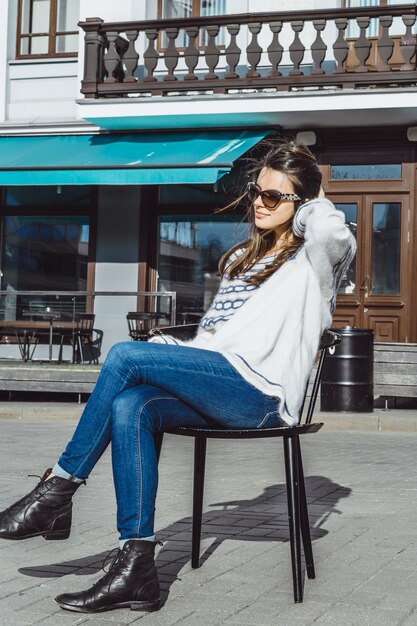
(123, 408)
(117, 351)
(133, 408)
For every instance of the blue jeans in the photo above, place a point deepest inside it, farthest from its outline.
(147, 387)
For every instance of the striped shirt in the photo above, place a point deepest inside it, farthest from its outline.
(232, 293)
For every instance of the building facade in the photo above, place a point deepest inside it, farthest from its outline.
(124, 126)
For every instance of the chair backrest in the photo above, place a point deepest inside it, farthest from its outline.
(185, 331)
(327, 340)
(85, 322)
(140, 323)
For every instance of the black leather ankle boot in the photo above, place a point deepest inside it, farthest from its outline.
(46, 511)
(131, 582)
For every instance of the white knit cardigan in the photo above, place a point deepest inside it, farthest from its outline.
(272, 340)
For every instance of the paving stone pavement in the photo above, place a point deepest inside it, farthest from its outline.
(362, 492)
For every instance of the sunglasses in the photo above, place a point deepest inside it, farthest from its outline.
(270, 197)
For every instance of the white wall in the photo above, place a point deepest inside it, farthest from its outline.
(116, 259)
(4, 15)
(261, 6)
(327, 4)
(42, 90)
(45, 90)
(36, 90)
(111, 11)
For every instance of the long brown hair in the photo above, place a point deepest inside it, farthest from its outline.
(299, 164)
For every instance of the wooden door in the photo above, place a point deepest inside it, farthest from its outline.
(375, 292)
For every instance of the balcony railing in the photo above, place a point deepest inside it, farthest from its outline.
(260, 52)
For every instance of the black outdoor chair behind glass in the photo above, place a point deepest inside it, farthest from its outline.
(79, 336)
(25, 338)
(299, 525)
(141, 323)
(91, 350)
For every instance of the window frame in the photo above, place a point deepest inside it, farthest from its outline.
(52, 35)
(346, 4)
(195, 12)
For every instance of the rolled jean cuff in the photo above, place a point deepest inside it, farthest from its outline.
(58, 471)
(123, 541)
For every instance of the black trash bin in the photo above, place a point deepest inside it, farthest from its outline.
(347, 382)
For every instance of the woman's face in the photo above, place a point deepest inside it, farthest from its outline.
(276, 218)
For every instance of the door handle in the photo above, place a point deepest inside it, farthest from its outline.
(365, 284)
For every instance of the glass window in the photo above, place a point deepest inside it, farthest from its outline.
(397, 27)
(366, 172)
(67, 16)
(348, 281)
(189, 8)
(386, 247)
(48, 27)
(189, 251)
(44, 246)
(43, 253)
(353, 28)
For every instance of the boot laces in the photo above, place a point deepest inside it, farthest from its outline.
(35, 476)
(25, 497)
(114, 555)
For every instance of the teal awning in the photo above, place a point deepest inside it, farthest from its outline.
(123, 159)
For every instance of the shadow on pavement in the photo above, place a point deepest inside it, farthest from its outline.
(263, 518)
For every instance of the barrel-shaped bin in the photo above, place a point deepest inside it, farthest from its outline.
(347, 382)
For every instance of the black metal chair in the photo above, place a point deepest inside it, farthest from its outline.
(91, 349)
(79, 336)
(141, 323)
(299, 526)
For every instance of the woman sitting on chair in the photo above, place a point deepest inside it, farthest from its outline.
(247, 367)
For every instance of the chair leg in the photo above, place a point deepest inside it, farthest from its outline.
(200, 447)
(291, 446)
(305, 522)
(158, 437)
(79, 351)
(61, 347)
(73, 341)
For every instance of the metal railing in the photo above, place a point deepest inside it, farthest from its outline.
(259, 51)
(41, 320)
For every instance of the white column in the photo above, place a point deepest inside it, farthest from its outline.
(117, 256)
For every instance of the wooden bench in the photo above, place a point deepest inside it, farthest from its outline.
(395, 370)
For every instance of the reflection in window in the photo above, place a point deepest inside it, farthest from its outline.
(188, 256)
(386, 248)
(348, 281)
(366, 172)
(43, 253)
